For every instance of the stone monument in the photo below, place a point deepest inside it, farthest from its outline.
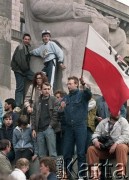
(5, 47)
(68, 22)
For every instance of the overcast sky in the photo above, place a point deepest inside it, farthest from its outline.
(124, 2)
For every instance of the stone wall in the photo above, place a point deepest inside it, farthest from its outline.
(16, 14)
(17, 9)
(5, 47)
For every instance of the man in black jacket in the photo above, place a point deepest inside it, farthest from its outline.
(21, 66)
(6, 132)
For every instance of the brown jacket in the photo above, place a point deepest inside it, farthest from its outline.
(53, 110)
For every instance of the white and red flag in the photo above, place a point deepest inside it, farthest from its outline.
(110, 72)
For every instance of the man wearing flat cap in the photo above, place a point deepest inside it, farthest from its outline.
(52, 54)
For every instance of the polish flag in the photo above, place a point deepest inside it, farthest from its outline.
(108, 69)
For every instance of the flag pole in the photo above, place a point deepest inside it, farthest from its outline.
(84, 53)
(82, 74)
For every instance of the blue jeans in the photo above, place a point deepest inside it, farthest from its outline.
(20, 86)
(46, 141)
(75, 135)
(59, 143)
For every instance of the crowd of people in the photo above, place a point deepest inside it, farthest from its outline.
(42, 123)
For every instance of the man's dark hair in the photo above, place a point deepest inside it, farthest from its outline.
(7, 115)
(46, 83)
(11, 102)
(76, 80)
(50, 163)
(26, 34)
(62, 93)
(23, 120)
(4, 143)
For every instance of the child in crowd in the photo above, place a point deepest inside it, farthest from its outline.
(9, 107)
(6, 132)
(22, 140)
(22, 166)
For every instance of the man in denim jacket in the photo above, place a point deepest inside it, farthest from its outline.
(75, 106)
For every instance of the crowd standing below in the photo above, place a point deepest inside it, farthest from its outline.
(55, 125)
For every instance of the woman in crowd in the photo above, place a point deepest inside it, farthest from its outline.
(34, 91)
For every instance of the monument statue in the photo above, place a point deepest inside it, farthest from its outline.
(68, 22)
